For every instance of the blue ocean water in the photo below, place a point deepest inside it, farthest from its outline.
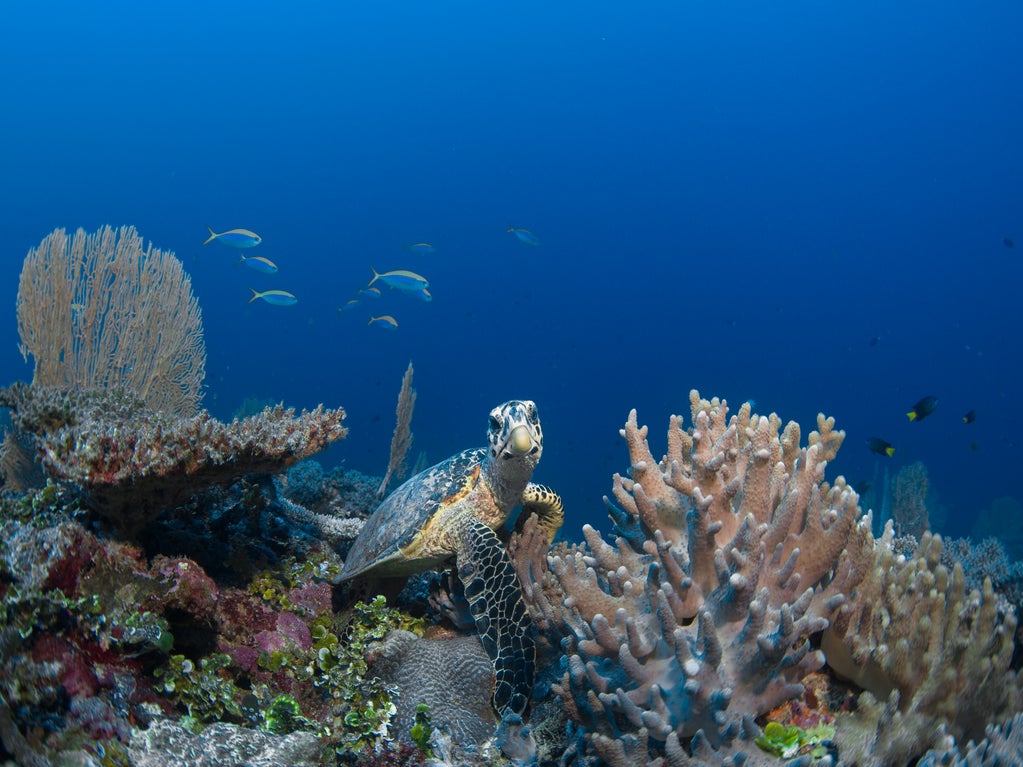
(803, 204)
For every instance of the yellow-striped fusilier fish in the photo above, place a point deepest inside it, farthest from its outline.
(275, 297)
(260, 264)
(236, 238)
(524, 235)
(386, 321)
(400, 279)
(423, 248)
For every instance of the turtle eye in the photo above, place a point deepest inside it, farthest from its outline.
(532, 412)
(495, 423)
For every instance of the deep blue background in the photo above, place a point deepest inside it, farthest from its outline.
(732, 196)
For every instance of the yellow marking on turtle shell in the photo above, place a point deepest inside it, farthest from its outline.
(437, 536)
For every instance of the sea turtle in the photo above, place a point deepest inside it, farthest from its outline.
(452, 510)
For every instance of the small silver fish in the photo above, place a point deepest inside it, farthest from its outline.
(400, 279)
(524, 235)
(386, 321)
(236, 238)
(275, 297)
(260, 264)
(423, 248)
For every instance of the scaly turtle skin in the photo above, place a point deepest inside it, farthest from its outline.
(451, 511)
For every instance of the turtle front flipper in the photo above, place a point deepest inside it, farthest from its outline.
(495, 601)
(547, 505)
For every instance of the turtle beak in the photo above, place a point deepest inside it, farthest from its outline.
(520, 442)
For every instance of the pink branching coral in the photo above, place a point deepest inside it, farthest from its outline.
(731, 553)
(701, 609)
(131, 460)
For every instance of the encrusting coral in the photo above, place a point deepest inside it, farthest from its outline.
(131, 460)
(732, 553)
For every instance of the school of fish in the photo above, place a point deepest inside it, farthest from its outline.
(407, 283)
(401, 281)
(244, 239)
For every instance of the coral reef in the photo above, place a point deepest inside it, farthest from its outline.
(96, 640)
(131, 461)
(731, 554)
(742, 612)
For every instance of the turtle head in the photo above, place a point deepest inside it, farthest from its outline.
(515, 432)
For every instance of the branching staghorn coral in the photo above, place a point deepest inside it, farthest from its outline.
(701, 609)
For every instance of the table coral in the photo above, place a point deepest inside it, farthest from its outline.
(131, 460)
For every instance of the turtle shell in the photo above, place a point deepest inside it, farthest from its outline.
(407, 511)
